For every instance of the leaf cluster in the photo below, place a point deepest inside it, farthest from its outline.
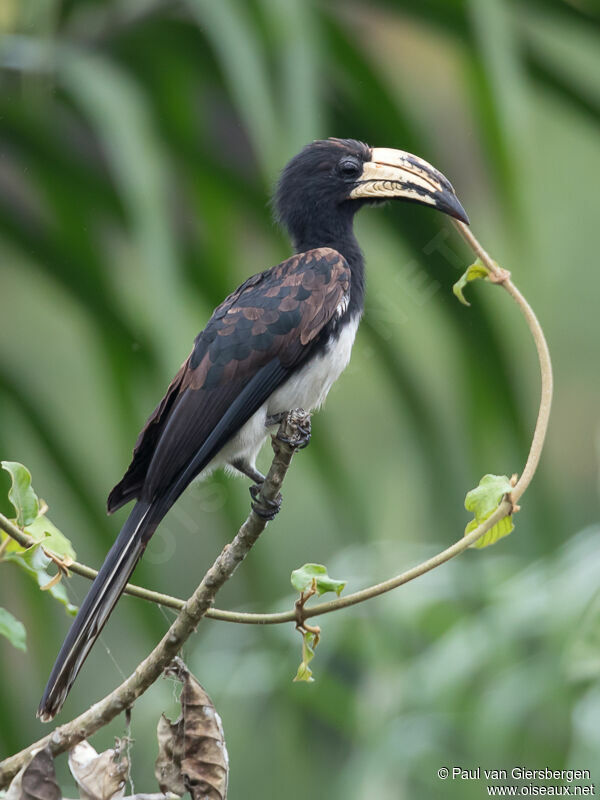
(50, 547)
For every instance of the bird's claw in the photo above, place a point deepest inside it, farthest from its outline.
(301, 437)
(267, 509)
(304, 434)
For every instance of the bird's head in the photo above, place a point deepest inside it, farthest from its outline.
(329, 180)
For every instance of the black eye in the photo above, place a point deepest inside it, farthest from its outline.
(349, 168)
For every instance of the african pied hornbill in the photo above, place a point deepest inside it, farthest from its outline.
(277, 343)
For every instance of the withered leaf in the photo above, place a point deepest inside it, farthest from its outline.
(167, 768)
(99, 777)
(38, 779)
(196, 741)
(205, 765)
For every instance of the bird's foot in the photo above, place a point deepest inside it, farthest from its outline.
(300, 438)
(267, 509)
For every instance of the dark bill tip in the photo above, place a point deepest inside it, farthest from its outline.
(448, 203)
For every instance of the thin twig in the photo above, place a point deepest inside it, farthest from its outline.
(66, 736)
(543, 417)
(25, 540)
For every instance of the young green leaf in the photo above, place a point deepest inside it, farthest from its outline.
(35, 563)
(304, 672)
(20, 503)
(303, 578)
(12, 629)
(496, 532)
(21, 494)
(46, 532)
(482, 502)
(485, 498)
(472, 273)
(6, 507)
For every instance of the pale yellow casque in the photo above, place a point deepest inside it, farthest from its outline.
(396, 173)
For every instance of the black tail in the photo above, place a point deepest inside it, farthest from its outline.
(97, 606)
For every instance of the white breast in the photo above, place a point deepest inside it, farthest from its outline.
(309, 387)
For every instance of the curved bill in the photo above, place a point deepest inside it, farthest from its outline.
(397, 174)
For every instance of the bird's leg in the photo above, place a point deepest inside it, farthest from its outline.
(294, 431)
(266, 509)
(248, 470)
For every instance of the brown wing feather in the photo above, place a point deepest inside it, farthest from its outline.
(277, 314)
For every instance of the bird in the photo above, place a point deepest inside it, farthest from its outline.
(278, 342)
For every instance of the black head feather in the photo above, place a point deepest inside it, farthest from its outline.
(312, 196)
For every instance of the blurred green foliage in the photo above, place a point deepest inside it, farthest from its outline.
(139, 142)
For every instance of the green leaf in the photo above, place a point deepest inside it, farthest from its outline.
(485, 498)
(21, 495)
(6, 507)
(498, 531)
(304, 672)
(475, 271)
(23, 506)
(46, 532)
(35, 563)
(482, 502)
(302, 580)
(12, 629)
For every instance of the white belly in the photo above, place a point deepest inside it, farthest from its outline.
(306, 389)
(309, 387)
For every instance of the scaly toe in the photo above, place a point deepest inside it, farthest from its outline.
(255, 490)
(267, 509)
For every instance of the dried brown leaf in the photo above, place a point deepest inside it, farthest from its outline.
(167, 768)
(38, 780)
(99, 777)
(205, 765)
(201, 743)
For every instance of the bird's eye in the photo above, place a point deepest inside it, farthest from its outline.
(349, 168)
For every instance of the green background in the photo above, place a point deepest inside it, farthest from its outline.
(139, 144)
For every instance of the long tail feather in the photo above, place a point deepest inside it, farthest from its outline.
(97, 606)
